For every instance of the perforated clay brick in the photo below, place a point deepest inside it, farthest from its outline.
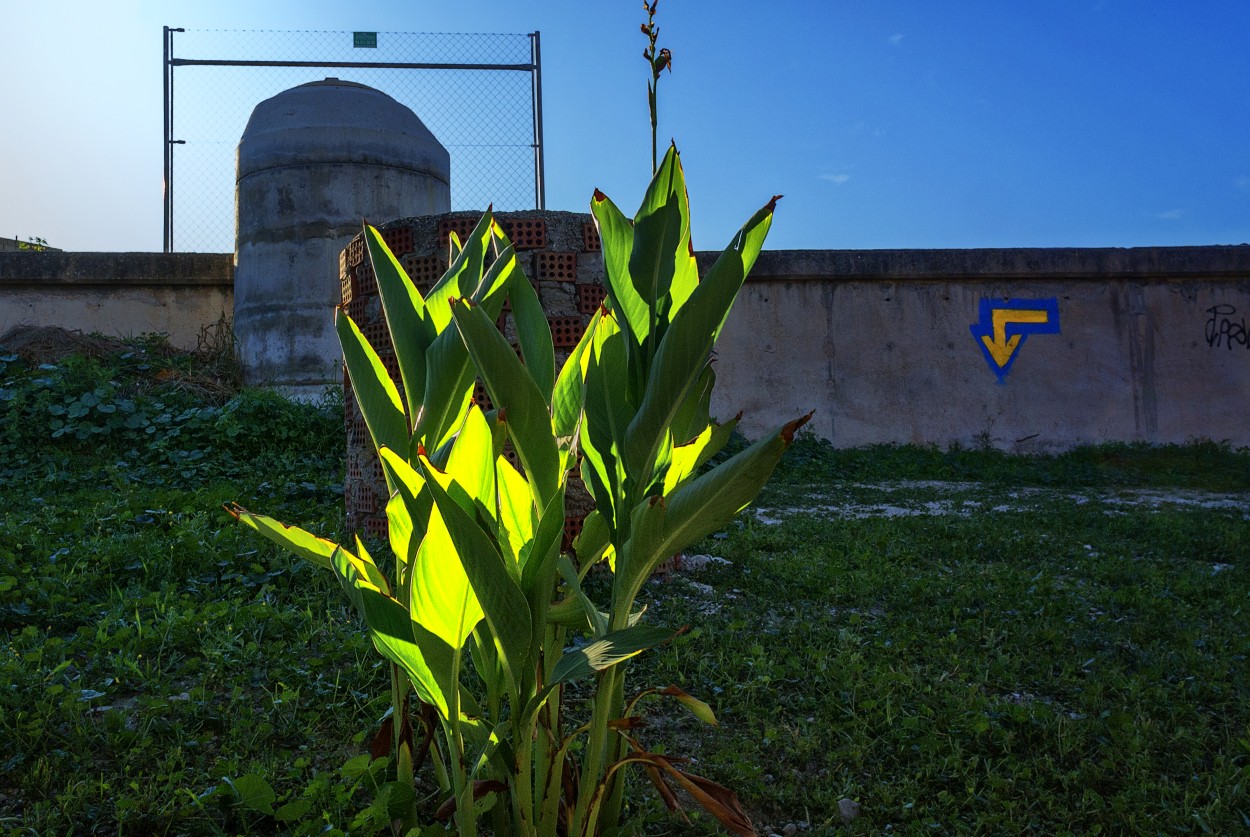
(590, 237)
(525, 233)
(566, 331)
(356, 251)
(375, 528)
(572, 528)
(377, 335)
(556, 267)
(366, 285)
(460, 226)
(480, 397)
(424, 271)
(590, 297)
(356, 309)
(399, 240)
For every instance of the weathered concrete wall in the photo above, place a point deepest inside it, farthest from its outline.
(1149, 344)
(117, 293)
(1142, 344)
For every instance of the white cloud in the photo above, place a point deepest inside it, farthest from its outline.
(1170, 215)
(896, 38)
(836, 178)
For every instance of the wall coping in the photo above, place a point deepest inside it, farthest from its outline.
(1036, 263)
(1045, 263)
(117, 269)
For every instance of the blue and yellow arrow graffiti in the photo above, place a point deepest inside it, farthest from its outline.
(1004, 326)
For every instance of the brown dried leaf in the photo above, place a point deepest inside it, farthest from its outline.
(716, 799)
(380, 747)
(787, 432)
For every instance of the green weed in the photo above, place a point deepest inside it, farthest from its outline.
(1042, 656)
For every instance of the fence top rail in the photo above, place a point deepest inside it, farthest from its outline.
(370, 65)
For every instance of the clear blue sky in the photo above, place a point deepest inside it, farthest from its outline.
(885, 124)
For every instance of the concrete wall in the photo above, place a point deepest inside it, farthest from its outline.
(1144, 344)
(1096, 345)
(117, 293)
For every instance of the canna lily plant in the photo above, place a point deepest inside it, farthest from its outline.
(480, 614)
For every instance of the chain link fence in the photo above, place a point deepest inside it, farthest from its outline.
(479, 94)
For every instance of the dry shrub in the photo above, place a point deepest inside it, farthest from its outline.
(211, 371)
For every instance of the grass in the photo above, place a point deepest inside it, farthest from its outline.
(1051, 654)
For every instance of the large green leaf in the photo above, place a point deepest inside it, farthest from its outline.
(496, 589)
(694, 414)
(616, 236)
(448, 392)
(658, 235)
(411, 333)
(408, 517)
(745, 248)
(449, 372)
(570, 387)
(689, 458)
(607, 651)
(522, 407)
(462, 276)
(472, 463)
(662, 528)
(515, 512)
(607, 414)
(376, 394)
(392, 631)
(593, 540)
(304, 544)
(687, 344)
(538, 571)
(493, 287)
(597, 620)
(533, 331)
(441, 599)
(539, 555)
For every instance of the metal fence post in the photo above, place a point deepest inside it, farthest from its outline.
(165, 147)
(540, 187)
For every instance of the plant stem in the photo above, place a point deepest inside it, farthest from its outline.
(599, 748)
(651, 86)
(461, 783)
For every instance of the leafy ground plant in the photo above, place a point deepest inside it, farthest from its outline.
(482, 617)
(1050, 645)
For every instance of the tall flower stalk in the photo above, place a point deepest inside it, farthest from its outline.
(657, 62)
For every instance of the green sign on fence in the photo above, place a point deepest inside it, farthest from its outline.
(365, 40)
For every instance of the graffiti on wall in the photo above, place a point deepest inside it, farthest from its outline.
(1223, 331)
(1005, 325)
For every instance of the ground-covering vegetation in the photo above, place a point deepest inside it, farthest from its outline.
(956, 641)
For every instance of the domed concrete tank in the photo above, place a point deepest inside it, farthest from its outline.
(313, 162)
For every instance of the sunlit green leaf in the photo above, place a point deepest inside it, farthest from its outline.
(688, 458)
(615, 647)
(616, 234)
(493, 583)
(522, 407)
(304, 544)
(663, 528)
(375, 392)
(411, 333)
